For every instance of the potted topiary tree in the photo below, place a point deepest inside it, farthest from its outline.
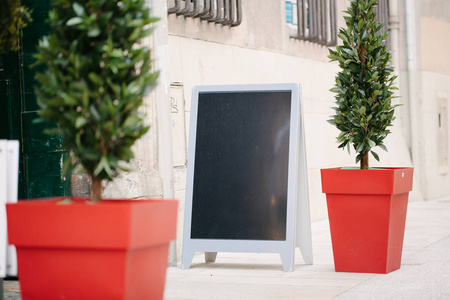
(366, 206)
(97, 73)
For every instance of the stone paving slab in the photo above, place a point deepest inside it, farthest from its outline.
(11, 290)
(424, 273)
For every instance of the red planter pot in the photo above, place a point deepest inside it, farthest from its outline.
(367, 214)
(111, 250)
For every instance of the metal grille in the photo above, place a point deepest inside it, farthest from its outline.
(382, 10)
(316, 21)
(225, 12)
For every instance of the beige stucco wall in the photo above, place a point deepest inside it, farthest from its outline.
(425, 83)
(435, 45)
(435, 86)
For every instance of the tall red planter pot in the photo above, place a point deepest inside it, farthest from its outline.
(367, 214)
(111, 250)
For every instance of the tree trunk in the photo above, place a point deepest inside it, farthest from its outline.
(96, 188)
(365, 161)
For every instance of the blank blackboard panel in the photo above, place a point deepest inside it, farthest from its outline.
(241, 166)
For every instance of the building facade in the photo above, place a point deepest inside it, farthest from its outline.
(269, 46)
(213, 42)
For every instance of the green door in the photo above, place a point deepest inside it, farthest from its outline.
(41, 159)
(10, 106)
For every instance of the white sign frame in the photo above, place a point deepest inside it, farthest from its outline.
(298, 224)
(9, 172)
(3, 197)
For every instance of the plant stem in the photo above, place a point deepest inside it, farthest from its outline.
(96, 188)
(365, 161)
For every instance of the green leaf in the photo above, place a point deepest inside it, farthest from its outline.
(94, 78)
(358, 158)
(382, 146)
(342, 137)
(74, 21)
(360, 24)
(332, 121)
(343, 37)
(79, 10)
(359, 147)
(68, 167)
(375, 155)
(136, 23)
(94, 31)
(336, 90)
(135, 34)
(362, 110)
(80, 122)
(94, 113)
(349, 51)
(103, 166)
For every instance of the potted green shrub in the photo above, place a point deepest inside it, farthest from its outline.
(366, 206)
(13, 18)
(96, 74)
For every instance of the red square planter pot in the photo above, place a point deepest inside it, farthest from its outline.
(367, 214)
(111, 250)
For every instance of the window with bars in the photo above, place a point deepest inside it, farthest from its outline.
(315, 20)
(382, 10)
(224, 12)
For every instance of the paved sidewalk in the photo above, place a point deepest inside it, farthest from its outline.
(424, 274)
